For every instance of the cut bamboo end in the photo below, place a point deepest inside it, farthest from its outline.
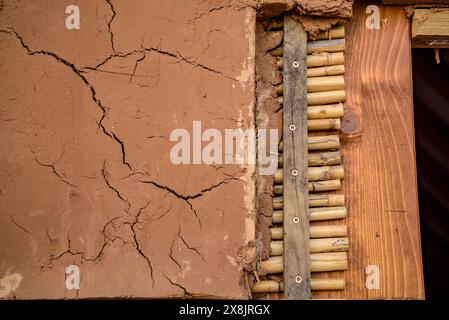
(276, 248)
(327, 83)
(326, 200)
(272, 286)
(276, 265)
(325, 173)
(267, 286)
(324, 158)
(277, 216)
(278, 203)
(280, 63)
(328, 231)
(335, 45)
(334, 70)
(325, 97)
(277, 233)
(323, 142)
(277, 52)
(327, 284)
(323, 124)
(328, 245)
(325, 59)
(319, 143)
(337, 32)
(327, 213)
(325, 111)
(272, 265)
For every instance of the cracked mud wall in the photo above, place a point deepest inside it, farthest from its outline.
(85, 174)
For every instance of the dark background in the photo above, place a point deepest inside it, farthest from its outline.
(431, 103)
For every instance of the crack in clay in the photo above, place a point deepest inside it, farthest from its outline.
(105, 241)
(55, 258)
(52, 166)
(170, 255)
(209, 12)
(109, 24)
(104, 173)
(78, 72)
(19, 226)
(137, 245)
(185, 292)
(187, 245)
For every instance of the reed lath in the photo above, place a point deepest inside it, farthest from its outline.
(327, 242)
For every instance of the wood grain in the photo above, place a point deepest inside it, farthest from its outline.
(379, 158)
(296, 235)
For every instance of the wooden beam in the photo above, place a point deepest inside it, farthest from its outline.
(296, 223)
(430, 28)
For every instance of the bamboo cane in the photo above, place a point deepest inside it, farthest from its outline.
(325, 59)
(323, 124)
(337, 32)
(334, 70)
(318, 159)
(325, 97)
(272, 286)
(319, 143)
(328, 245)
(277, 216)
(277, 233)
(323, 158)
(328, 231)
(276, 248)
(325, 173)
(327, 83)
(277, 52)
(327, 284)
(323, 142)
(329, 256)
(320, 245)
(316, 173)
(314, 186)
(335, 45)
(281, 100)
(315, 200)
(325, 111)
(315, 214)
(276, 265)
(326, 200)
(326, 213)
(267, 286)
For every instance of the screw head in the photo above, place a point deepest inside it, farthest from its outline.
(292, 127)
(295, 172)
(296, 220)
(298, 279)
(295, 64)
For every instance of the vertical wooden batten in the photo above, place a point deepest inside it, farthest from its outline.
(296, 222)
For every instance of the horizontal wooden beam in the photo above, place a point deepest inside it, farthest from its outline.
(430, 28)
(406, 2)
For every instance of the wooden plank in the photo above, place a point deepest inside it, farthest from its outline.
(296, 235)
(430, 28)
(378, 154)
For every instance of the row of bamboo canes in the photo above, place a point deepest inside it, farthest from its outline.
(325, 93)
